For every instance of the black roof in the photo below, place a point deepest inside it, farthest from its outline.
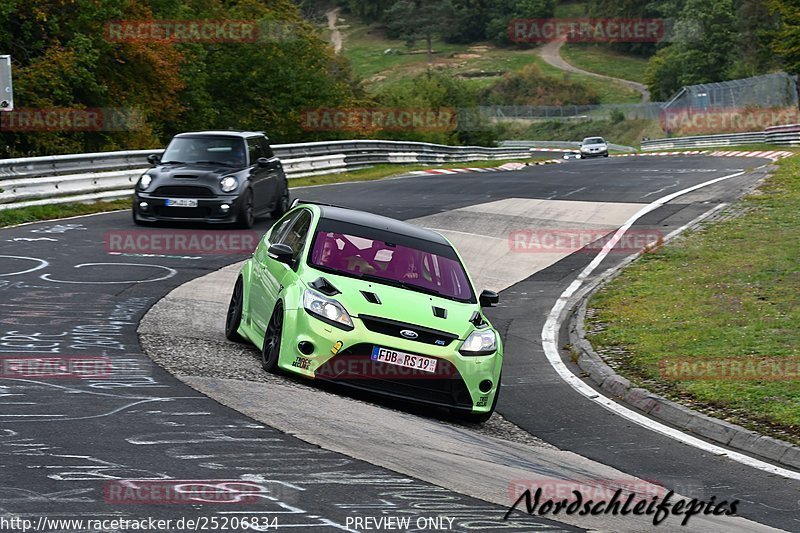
(222, 133)
(362, 218)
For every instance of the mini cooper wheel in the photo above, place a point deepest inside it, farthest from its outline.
(246, 216)
(282, 205)
(272, 341)
(234, 316)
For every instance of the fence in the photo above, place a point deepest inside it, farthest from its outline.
(769, 91)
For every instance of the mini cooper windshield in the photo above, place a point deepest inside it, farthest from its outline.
(384, 257)
(212, 150)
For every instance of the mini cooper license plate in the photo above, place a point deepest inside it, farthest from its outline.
(393, 357)
(181, 202)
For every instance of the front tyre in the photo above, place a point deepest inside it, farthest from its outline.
(246, 217)
(271, 350)
(234, 316)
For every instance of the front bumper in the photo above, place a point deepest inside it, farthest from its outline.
(209, 209)
(594, 153)
(462, 383)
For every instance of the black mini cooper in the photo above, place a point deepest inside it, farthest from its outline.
(219, 177)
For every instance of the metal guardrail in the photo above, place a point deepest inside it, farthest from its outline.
(108, 175)
(784, 135)
(788, 135)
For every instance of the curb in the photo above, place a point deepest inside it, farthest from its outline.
(464, 170)
(620, 389)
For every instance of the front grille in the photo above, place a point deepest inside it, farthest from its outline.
(354, 367)
(183, 191)
(393, 328)
(182, 212)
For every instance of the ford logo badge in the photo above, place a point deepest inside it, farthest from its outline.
(408, 334)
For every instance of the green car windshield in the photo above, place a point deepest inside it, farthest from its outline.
(384, 257)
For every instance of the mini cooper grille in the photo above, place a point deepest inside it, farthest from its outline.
(183, 191)
(353, 367)
(394, 328)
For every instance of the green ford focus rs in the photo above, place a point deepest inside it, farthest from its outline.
(371, 303)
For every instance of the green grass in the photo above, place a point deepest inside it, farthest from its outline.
(609, 92)
(383, 171)
(602, 60)
(626, 132)
(731, 290)
(364, 46)
(570, 10)
(12, 217)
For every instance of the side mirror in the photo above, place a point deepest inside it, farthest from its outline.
(488, 298)
(282, 253)
(153, 159)
(262, 162)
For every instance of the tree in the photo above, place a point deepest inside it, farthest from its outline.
(420, 19)
(787, 38)
(703, 51)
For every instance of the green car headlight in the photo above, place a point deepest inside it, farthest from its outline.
(327, 310)
(228, 184)
(480, 342)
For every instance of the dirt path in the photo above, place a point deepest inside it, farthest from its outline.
(336, 35)
(551, 53)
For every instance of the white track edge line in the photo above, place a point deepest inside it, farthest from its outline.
(550, 338)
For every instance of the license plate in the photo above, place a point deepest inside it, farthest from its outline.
(181, 202)
(393, 357)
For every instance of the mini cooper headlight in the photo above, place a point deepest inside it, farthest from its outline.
(228, 184)
(144, 181)
(480, 342)
(327, 310)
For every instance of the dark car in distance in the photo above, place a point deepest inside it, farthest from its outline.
(218, 177)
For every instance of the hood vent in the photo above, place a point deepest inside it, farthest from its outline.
(439, 312)
(371, 297)
(477, 320)
(324, 286)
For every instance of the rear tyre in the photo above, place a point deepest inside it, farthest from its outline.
(605, 155)
(272, 341)
(234, 316)
(246, 217)
(281, 205)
